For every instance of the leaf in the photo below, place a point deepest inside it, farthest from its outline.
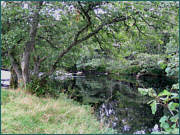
(153, 107)
(175, 131)
(163, 119)
(175, 86)
(175, 96)
(164, 123)
(172, 106)
(152, 92)
(164, 93)
(174, 118)
(168, 69)
(165, 126)
(143, 91)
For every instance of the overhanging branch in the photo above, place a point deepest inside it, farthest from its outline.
(76, 42)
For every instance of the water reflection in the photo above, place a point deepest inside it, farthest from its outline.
(116, 100)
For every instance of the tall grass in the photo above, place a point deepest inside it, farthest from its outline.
(24, 113)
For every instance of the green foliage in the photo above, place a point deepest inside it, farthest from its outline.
(151, 92)
(153, 107)
(43, 87)
(169, 122)
(147, 61)
(172, 51)
(143, 32)
(173, 66)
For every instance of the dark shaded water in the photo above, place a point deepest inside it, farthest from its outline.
(116, 100)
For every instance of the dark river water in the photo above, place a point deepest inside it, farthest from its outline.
(116, 100)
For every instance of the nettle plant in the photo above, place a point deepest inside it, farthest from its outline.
(170, 101)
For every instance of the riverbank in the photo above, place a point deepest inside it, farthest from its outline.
(24, 113)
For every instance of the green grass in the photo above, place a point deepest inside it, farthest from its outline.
(23, 113)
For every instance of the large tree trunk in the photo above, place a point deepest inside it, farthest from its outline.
(15, 66)
(25, 62)
(30, 44)
(13, 79)
(36, 69)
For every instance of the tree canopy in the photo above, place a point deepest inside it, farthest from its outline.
(43, 36)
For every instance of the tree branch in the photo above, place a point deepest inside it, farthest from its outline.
(147, 22)
(85, 13)
(49, 42)
(135, 24)
(76, 42)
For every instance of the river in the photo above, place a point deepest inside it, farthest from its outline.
(116, 100)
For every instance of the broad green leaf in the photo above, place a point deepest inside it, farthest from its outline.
(173, 106)
(174, 96)
(164, 123)
(143, 91)
(153, 107)
(174, 118)
(163, 119)
(152, 92)
(164, 93)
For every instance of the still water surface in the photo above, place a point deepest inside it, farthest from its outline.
(116, 100)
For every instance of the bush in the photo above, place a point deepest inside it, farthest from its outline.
(151, 64)
(43, 87)
(148, 61)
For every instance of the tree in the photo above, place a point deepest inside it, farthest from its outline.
(41, 36)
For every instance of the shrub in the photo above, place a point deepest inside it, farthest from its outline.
(43, 87)
(151, 64)
(148, 61)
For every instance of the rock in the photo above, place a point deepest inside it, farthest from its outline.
(140, 132)
(156, 128)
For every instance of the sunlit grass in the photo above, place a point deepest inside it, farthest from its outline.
(24, 113)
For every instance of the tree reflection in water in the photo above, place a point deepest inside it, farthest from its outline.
(116, 102)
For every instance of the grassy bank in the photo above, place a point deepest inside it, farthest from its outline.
(24, 113)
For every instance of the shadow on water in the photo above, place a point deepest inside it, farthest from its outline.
(116, 100)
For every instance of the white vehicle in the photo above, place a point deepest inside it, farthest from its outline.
(5, 78)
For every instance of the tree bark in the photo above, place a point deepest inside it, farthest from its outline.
(37, 64)
(13, 79)
(30, 44)
(15, 65)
